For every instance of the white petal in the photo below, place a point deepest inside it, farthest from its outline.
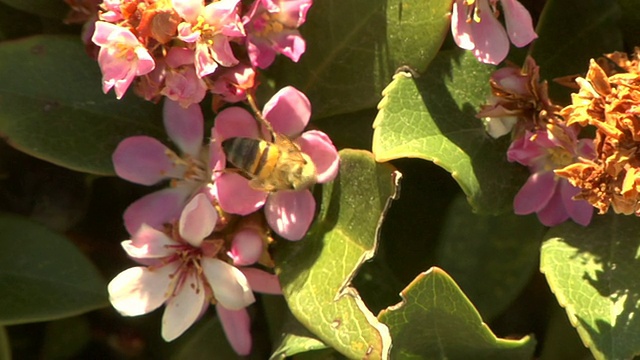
(230, 286)
(183, 309)
(138, 290)
(198, 219)
(148, 243)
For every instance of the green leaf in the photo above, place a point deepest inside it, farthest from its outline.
(43, 276)
(491, 257)
(316, 272)
(354, 47)
(296, 339)
(589, 28)
(5, 346)
(204, 341)
(594, 273)
(65, 338)
(433, 118)
(52, 106)
(45, 8)
(435, 320)
(561, 341)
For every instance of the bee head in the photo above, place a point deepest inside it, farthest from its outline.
(307, 176)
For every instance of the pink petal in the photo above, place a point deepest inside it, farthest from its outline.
(204, 62)
(262, 281)
(229, 285)
(288, 111)
(184, 308)
(236, 196)
(138, 290)
(236, 325)
(246, 247)
(217, 159)
(519, 23)
(290, 213)
(535, 193)
(197, 220)
(188, 9)
(149, 243)
(145, 63)
(460, 28)
(490, 38)
(290, 44)
(554, 212)
(156, 209)
(261, 54)
(179, 56)
(145, 160)
(580, 211)
(293, 13)
(236, 122)
(320, 149)
(221, 51)
(184, 126)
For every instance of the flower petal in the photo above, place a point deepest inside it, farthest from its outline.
(460, 28)
(184, 308)
(188, 9)
(519, 23)
(197, 220)
(237, 326)
(156, 209)
(148, 243)
(262, 281)
(184, 126)
(490, 38)
(236, 122)
(236, 196)
(145, 160)
(580, 211)
(138, 290)
(554, 212)
(290, 213)
(324, 154)
(246, 247)
(229, 285)
(535, 193)
(288, 111)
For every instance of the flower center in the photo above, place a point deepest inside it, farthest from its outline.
(558, 158)
(207, 31)
(267, 24)
(196, 169)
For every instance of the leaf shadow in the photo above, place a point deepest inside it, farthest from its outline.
(613, 273)
(497, 179)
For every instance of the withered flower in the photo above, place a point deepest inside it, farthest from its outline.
(518, 99)
(610, 101)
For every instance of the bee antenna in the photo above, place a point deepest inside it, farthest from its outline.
(252, 102)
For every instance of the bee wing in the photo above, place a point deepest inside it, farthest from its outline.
(292, 149)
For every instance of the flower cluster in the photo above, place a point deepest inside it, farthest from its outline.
(541, 140)
(608, 100)
(182, 49)
(203, 239)
(475, 27)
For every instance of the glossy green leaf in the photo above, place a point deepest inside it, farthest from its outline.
(43, 276)
(435, 320)
(204, 341)
(45, 8)
(5, 346)
(492, 258)
(589, 28)
(594, 273)
(354, 47)
(296, 339)
(52, 106)
(433, 118)
(316, 272)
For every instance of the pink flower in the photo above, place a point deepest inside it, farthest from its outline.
(289, 213)
(184, 272)
(209, 28)
(145, 160)
(182, 84)
(121, 58)
(233, 83)
(272, 28)
(550, 196)
(475, 27)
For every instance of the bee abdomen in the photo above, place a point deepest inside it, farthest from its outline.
(250, 155)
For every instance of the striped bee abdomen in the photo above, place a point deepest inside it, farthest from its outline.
(256, 157)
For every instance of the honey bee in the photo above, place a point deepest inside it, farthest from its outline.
(271, 166)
